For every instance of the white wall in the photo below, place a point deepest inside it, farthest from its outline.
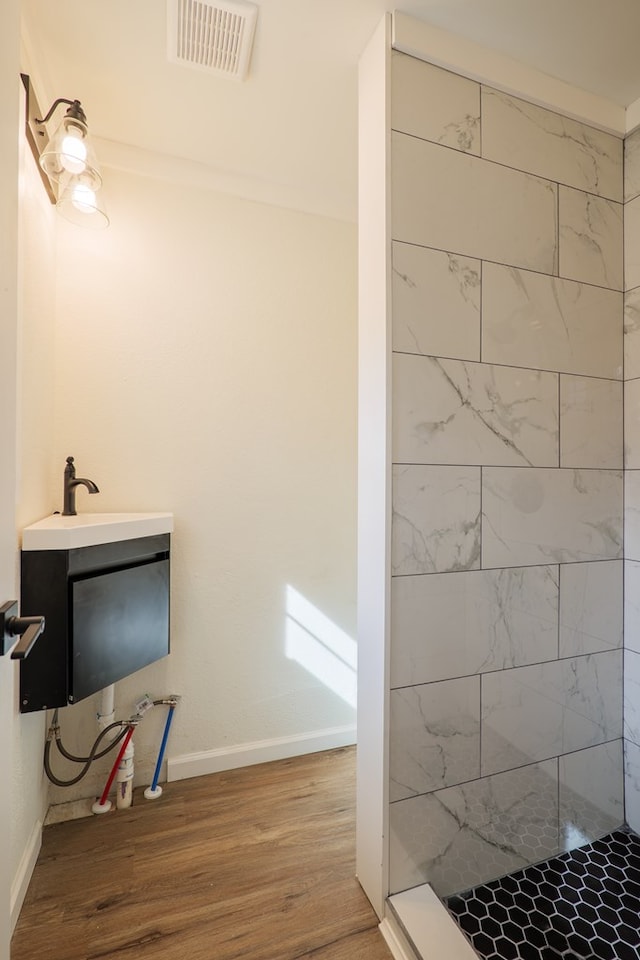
(36, 244)
(26, 332)
(374, 470)
(8, 327)
(205, 364)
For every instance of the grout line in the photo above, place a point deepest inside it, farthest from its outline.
(515, 566)
(481, 728)
(481, 307)
(510, 366)
(557, 253)
(505, 166)
(512, 266)
(510, 669)
(559, 607)
(481, 517)
(511, 466)
(559, 816)
(499, 773)
(560, 420)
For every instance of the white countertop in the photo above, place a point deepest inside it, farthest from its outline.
(88, 529)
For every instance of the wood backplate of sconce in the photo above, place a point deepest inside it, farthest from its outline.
(37, 136)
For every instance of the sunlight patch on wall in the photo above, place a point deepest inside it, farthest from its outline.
(320, 646)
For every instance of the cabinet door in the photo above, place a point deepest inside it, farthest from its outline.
(119, 624)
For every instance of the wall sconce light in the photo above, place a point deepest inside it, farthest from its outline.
(66, 160)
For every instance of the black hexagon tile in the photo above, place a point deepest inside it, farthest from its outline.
(581, 905)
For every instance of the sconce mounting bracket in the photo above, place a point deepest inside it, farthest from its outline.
(36, 133)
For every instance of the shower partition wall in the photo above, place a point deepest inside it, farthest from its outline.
(632, 478)
(492, 392)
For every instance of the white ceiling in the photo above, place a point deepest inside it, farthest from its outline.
(292, 123)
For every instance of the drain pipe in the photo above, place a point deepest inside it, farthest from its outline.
(155, 791)
(107, 712)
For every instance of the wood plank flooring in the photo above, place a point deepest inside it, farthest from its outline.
(256, 864)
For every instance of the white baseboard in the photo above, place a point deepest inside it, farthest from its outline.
(260, 751)
(25, 870)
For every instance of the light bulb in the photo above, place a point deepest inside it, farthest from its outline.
(83, 198)
(73, 154)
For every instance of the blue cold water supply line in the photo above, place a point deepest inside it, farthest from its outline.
(155, 791)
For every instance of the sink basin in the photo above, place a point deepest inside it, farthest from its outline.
(88, 529)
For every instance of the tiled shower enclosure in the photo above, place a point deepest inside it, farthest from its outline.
(507, 528)
(513, 358)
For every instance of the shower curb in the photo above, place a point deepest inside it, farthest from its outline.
(434, 933)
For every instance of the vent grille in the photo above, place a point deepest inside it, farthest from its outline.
(216, 37)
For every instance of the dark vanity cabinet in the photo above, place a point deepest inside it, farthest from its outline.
(107, 615)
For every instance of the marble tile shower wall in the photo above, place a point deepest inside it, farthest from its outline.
(632, 479)
(507, 436)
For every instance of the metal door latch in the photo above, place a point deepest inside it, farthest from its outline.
(12, 626)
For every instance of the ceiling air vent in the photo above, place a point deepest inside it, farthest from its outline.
(216, 37)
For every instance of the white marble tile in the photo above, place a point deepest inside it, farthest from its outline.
(632, 605)
(530, 138)
(591, 423)
(453, 411)
(632, 165)
(632, 696)
(466, 835)
(632, 785)
(632, 244)
(455, 624)
(531, 320)
(436, 303)
(591, 238)
(591, 607)
(537, 712)
(434, 736)
(591, 793)
(632, 424)
(632, 334)
(436, 519)
(535, 515)
(452, 201)
(632, 514)
(434, 104)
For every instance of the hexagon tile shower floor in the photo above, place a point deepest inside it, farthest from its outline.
(581, 905)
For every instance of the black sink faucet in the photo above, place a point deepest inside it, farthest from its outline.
(70, 484)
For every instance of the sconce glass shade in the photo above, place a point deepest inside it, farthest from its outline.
(80, 202)
(70, 152)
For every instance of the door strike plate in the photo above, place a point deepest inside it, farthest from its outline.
(7, 639)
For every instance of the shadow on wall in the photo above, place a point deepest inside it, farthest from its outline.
(322, 648)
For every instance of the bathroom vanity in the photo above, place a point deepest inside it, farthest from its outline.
(102, 583)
